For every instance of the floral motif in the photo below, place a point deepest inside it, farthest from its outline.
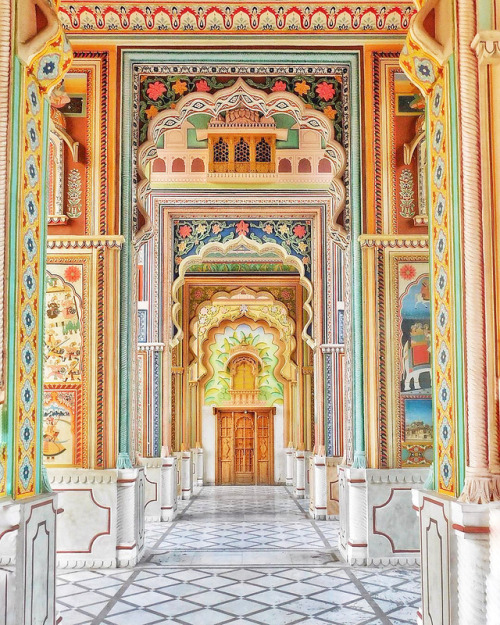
(202, 85)
(151, 112)
(299, 231)
(440, 245)
(325, 90)
(424, 70)
(29, 282)
(26, 433)
(28, 357)
(25, 472)
(185, 231)
(330, 112)
(33, 98)
(407, 272)
(30, 244)
(279, 85)
(301, 87)
(32, 134)
(32, 171)
(180, 87)
(48, 67)
(155, 90)
(28, 319)
(242, 228)
(31, 207)
(72, 273)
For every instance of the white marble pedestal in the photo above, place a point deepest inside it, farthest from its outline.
(153, 487)
(186, 474)
(460, 560)
(28, 560)
(317, 476)
(169, 488)
(102, 518)
(300, 474)
(198, 466)
(377, 523)
(290, 459)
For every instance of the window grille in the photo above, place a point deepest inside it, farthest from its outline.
(221, 151)
(242, 151)
(263, 152)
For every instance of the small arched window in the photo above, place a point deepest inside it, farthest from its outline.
(285, 166)
(304, 166)
(178, 165)
(221, 151)
(197, 165)
(324, 166)
(159, 165)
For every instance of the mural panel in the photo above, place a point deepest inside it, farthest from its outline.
(218, 387)
(65, 375)
(414, 386)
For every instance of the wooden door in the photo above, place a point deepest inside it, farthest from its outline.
(244, 446)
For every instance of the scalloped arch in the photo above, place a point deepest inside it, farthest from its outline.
(241, 94)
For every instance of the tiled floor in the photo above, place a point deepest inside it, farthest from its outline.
(241, 555)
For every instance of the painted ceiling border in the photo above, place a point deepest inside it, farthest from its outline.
(235, 18)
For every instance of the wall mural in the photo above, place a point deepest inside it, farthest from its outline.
(414, 372)
(64, 436)
(218, 387)
(294, 236)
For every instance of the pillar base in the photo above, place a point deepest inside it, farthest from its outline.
(377, 524)
(290, 457)
(300, 474)
(317, 476)
(152, 485)
(460, 568)
(186, 460)
(198, 466)
(332, 487)
(102, 520)
(28, 560)
(169, 487)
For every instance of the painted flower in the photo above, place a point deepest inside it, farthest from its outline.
(202, 85)
(302, 247)
(407, 272)
(49, 67)
(201, 228)
(178, 260)
(179, 87)
(330, 112)
(216, 229)
(299, 231)
(185, 231)
(181, 247)
(283, 229)
(242, 228)
(306, 260)
(31, 208)
(32, 134)
(151, 112)
(325, 90)
(155, 90)
(72, 273)
(279, 85)
(267, 228)
(32, 171)
(33, 98)
(301, 87)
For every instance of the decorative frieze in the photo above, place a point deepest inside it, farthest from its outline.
(85, 242)
(420, 241)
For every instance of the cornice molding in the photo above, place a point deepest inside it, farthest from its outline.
(395, 241)
(332, 348)
(151, 347)
(84, 242)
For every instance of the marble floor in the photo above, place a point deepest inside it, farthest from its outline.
(235, 555)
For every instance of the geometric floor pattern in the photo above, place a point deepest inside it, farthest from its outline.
(241, 555)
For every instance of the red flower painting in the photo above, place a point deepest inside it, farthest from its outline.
(325, 90)
(156, 90)
(279, 85)
(185, 231)
(242, 228)
(202, 85)
(299, 231)
(407, 272)
(72, 273)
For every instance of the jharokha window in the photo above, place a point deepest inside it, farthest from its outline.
(242, 141)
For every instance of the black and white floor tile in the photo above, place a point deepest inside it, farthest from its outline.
(241, 555)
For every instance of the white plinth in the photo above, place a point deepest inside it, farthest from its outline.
(317, 504)
(460, 570)
(300, 474)
(169, 488)
(377, 525)
(186, 475)
(152, 485)
(290, 459)
(102, 520)
(28, 560)
(198, 466)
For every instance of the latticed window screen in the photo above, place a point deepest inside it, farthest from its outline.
(221, 151)
(263, 152)
(242, 151)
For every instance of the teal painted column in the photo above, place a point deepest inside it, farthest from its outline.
(354, 164)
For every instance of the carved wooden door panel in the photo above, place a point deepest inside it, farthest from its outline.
(225, 451)
(244, 448)
(264, 448)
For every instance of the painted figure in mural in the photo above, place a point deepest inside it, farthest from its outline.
(416, 337)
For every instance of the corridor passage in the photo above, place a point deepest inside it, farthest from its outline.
(241, 554)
